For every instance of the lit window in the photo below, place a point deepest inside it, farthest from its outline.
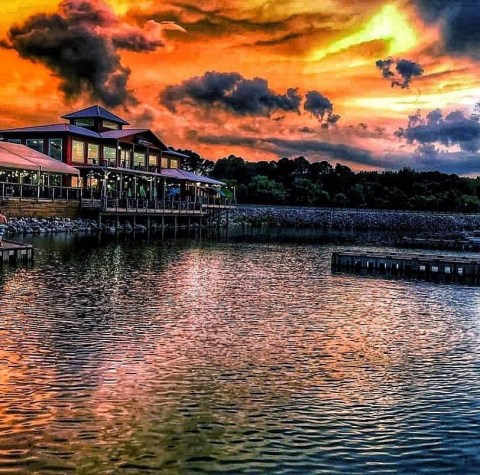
(85, 122)
(173, 163)
(36, 144)
(78, 151)
(164, 162)
(153, 160)
(138, 159)
(110, 155)
(110, 125)
(55, 148)
(92, 157)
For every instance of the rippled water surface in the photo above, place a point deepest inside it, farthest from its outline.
(234, 356)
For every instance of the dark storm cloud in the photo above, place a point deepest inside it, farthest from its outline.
(232, 92)
(290, 147)
(405, 71)
(426, 157)
(454, 129)
(321, 108)
(79, 44)
(434, 117)
(458, 20)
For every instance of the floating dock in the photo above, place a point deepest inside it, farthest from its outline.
(420, 266)
(14, 252)
(440, 243)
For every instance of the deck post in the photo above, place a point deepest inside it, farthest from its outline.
(164, 192)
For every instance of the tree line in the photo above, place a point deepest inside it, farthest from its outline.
(299, 182)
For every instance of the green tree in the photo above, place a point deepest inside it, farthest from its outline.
(306, 193)
(261, 190)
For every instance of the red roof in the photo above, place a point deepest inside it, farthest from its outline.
(21, 157)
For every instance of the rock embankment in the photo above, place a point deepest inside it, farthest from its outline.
(50, 226)
(19, 226)
(278, 216)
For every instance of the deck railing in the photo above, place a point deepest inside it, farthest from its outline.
(92, 198)
(143, 205)
(21, 191)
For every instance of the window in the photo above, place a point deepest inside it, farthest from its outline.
(110, 156)
(153, 160)
(85, 122)
(138, 159)
(36, 144)
(125, 158)
(173, 163)
(55, 148)
(164, 162)
(92, 156)
(78, 151)
(14, 140)
(55, 180)
(110, 125)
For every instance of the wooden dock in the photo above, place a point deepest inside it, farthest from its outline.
(422, 266)
(440, 244)
(14, 252)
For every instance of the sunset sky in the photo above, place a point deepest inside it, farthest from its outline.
(371, 84)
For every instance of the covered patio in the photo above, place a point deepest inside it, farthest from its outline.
(27, 173)
(112, 187)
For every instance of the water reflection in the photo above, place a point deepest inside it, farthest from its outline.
(236, 356)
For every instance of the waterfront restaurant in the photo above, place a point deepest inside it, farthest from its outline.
(116, 164)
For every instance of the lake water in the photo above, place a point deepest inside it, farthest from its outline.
(238, 355)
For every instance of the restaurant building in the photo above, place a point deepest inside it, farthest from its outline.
(117, 164)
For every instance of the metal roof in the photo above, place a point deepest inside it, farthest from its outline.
(95, 111)
(21, 157)
(175, 154)
(178, 174)
(118, 134)
(174, 173)
(74, 129)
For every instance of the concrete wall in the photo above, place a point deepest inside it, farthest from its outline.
(40, 209)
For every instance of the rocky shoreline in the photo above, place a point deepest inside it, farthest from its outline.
(33, 226)
(277, 217)
(362, 220)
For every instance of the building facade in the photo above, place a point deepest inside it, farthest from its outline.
(114, 161)
(95, 136)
